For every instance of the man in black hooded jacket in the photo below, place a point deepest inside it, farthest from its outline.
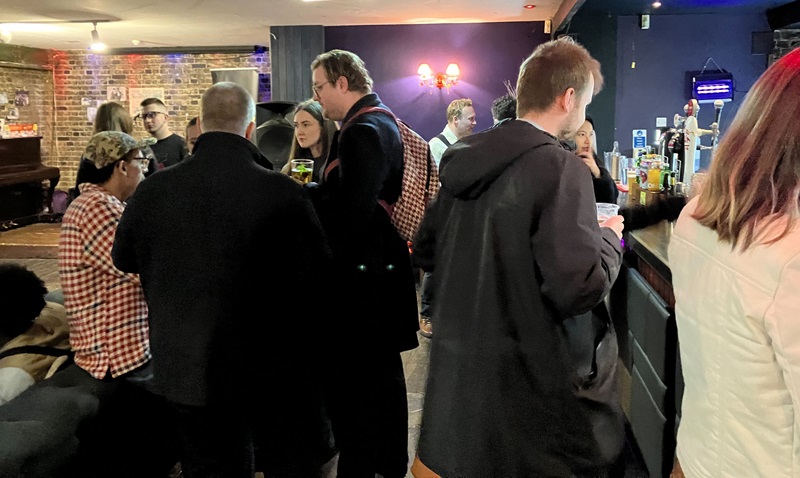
(521, 379)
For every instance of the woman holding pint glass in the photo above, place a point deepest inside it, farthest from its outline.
(735, 261)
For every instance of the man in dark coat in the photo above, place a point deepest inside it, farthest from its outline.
(374, 283)
(520, 262)
(234, 326)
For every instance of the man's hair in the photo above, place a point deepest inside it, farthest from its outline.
(338, 63)
(22, 295)
(552, 69)
(112, 116)
(227, 107)
(751, 194)
(151, 101)
(504, 107)
(456, 108)
(327, 127)
(191, 122)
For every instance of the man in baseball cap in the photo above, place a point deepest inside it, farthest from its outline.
(106, 308)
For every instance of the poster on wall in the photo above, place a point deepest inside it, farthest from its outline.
(91, 113)
(3, 99)
(137, 95)
(21, 98)
(13, 114)
(117, 93)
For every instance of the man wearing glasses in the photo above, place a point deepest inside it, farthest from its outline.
(375, 282)
(108, 315)
(170, 148)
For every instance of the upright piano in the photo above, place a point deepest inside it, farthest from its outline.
(23, 200)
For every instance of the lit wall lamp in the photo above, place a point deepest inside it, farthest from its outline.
(438, 80)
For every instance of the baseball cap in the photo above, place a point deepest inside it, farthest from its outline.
(108, 147)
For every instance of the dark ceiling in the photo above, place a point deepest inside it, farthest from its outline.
(680, 7)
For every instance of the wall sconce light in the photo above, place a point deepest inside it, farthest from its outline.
(438, 80)
(96, 44)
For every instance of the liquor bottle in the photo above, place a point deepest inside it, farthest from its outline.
(613, 168)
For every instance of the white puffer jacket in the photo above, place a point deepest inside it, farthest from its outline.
(738, 318)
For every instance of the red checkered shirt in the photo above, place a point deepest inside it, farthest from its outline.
(106, 309)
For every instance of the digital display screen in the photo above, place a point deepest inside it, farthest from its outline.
(710, 90)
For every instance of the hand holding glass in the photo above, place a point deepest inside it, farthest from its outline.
(302, 170)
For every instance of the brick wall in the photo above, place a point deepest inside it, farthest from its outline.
(80, 75)
(785, 41)
(38, 82)
(60, 83)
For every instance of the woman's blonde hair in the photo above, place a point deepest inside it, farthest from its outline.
(754, 181)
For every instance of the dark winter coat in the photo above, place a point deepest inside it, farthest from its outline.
(374, 279)
(520, 263)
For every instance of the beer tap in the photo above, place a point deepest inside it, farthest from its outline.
(718, 104)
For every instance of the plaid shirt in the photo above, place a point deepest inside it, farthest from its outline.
(106, 309)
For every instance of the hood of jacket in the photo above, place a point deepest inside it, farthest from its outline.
(472, 164)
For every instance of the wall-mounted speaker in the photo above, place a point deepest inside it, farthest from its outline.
(275, 131)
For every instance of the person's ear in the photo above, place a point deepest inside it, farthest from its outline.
(248, 133)
(342, 84)
(122, 167)
(569, 99)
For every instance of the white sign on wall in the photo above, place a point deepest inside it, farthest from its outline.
(639, 138)
(137, 95)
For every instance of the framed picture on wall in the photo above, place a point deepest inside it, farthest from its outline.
(21, 98)
(117, 93)
(137, 95)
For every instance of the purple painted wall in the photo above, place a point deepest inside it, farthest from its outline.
(673, 45)
(486, 53)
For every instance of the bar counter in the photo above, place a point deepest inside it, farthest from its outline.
(651, 244)
(642, 305)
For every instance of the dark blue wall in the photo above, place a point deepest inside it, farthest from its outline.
(487, 54)
(673, 45)
(598, 33)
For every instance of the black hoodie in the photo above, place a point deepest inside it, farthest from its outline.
(514, 240)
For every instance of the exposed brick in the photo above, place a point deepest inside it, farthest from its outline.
(77, 74)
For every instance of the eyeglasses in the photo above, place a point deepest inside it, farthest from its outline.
(316, 88)
(143, 162)
(151, 115)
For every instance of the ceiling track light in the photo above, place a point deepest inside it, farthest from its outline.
(96, 44)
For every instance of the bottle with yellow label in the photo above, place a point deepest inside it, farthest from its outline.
(654, 176)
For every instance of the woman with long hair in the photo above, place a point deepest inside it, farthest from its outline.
(313, 136)
(735, 261)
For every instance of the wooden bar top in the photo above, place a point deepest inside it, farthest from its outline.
(652, 244)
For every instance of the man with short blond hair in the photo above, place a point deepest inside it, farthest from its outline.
(520, 263)
(460, 123)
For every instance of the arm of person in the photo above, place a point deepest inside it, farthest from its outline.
(424, 244)
(784, 329)
(123, 251)
(363, 173)
(640, 216)
(577, 259)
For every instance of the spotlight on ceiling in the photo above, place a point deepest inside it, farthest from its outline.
(96, 44)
